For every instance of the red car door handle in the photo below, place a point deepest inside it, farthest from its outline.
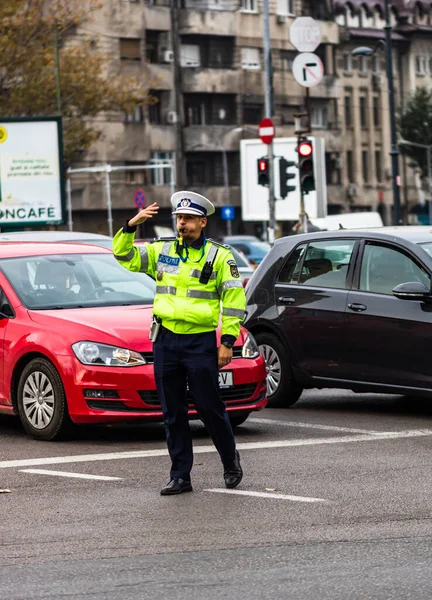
(357, 307)
(286, 300)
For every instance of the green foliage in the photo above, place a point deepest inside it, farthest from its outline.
(415, 125)
(89, 82)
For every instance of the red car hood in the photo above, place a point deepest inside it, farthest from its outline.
(129, 325)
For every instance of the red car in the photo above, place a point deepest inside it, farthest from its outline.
(74, 337)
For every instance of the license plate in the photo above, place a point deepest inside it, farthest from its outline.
(226, 379)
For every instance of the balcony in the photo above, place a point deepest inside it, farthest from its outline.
(208, 22)
(211, 80)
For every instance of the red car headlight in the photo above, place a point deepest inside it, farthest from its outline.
(103, 355)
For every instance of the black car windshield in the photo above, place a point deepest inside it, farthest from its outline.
(76, 281)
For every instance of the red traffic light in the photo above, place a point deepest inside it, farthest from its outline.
(262, 165)
(305, 149)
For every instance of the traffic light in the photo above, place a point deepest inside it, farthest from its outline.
(284, 177)
(306, 166)
(263, 171)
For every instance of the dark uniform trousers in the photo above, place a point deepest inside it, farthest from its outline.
(190, 359)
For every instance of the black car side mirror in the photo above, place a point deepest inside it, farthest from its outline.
(413, 290)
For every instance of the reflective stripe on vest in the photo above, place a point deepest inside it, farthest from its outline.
(126, 257)
(202, 295)
(234, 312)
(232, 283)
(161, 267)
(196, 273)
(144, 260)
(166, 289)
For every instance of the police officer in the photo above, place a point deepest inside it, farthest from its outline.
(194, 277)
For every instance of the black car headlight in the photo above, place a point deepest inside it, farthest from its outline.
(103, 355)
(250, 347)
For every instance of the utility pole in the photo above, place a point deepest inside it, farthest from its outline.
(268, 113)
(394, 153)
(180, 169)
(57, 67)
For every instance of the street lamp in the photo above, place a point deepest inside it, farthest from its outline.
(394, 152)
(428, 148)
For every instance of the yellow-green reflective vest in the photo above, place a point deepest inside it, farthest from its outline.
(183, 303)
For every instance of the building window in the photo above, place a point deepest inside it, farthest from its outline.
(420, 65)
(363, 112)
(286, 60)
(319, 117)
(161, 175)
(378, 166)
(136, 177)
(350, 166)
(190, 55)
(365, 166)
(155, 109)
(348, 111)
(252, 113)
(376, 64)
(250, 58)
(285, 7)
(137, 116)
(249, 6)
(210, 109)
(152, 45)
(376, 112)
(363, 64)
(130, 49)
(347, 62)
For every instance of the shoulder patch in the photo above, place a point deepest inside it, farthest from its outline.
(234, 269)
(219, 244)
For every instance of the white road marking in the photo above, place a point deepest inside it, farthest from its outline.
(64, 474)
(79, 458)
(312, 426)
(266, 495)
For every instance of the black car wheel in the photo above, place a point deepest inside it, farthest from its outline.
(42, 403)
(238, 420)
(281, 388)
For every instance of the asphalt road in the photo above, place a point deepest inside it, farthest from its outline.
(335, 504)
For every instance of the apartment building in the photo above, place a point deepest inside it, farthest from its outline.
(220, 86)
(366, 174)
(214, 98)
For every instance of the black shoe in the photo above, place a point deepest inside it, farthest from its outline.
(234, 473)
(176, 486)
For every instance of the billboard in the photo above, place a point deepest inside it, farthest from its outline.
(255, 197)
(31, 172)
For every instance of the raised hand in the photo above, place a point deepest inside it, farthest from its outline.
(146, 213)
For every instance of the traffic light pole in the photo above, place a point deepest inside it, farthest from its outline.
(303, 217)
(269, 112)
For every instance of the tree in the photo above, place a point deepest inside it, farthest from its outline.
(32, 34)
(415, 125)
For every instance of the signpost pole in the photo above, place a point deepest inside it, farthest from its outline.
(69, 199)
(108, 197)
(269, 111)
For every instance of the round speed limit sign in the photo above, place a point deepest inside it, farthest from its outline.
(3, 135)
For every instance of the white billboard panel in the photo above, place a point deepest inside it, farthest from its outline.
(31, 172)
(255, 197)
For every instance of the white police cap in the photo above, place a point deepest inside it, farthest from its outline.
(191, 203)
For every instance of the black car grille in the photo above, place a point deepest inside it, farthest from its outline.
(148, 356)
(236, 392)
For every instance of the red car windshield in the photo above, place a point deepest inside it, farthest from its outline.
(76, 281)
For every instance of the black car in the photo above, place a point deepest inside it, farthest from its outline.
(345, 309)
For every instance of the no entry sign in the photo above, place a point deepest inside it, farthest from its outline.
(266, 131)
